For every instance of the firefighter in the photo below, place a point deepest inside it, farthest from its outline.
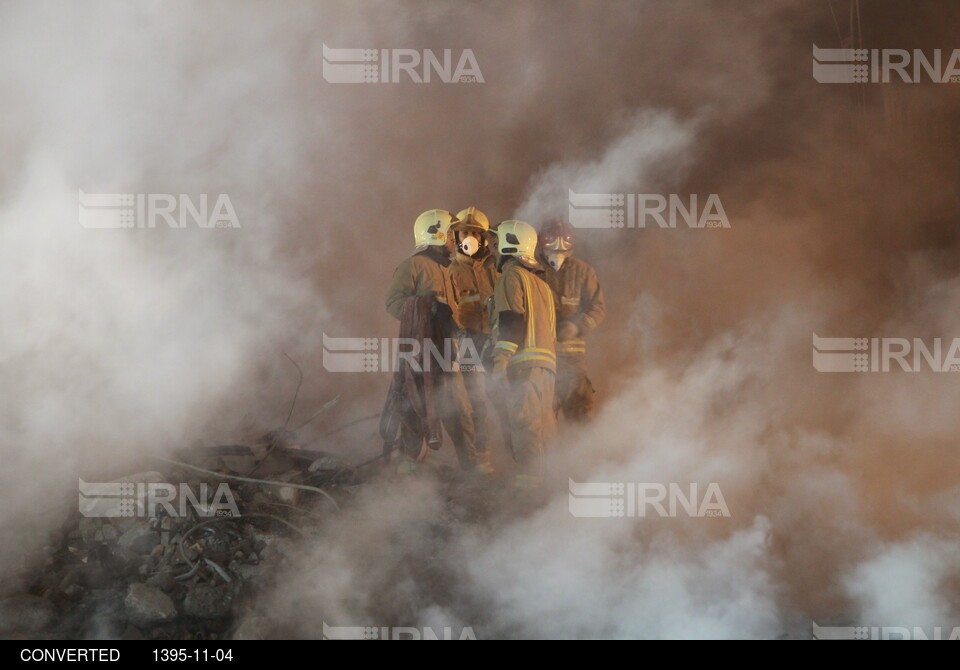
(497, 399)
(473, 274)
(580, 309)
(425, 274)
(524, 356)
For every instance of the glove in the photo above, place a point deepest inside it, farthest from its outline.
(567, 330)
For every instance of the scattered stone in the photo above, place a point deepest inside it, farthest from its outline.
(325, 464)
(208, 602)
(163, 581)
(114, 578)
(93, 576)
(288, 495)
(147, 604)
(140, 539)
(245, 570)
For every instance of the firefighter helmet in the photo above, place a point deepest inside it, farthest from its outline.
(471, 217)
(471, 220)
(518, 239)
(430, 228)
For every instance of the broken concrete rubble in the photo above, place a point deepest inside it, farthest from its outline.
(148, 574)
(147, 604)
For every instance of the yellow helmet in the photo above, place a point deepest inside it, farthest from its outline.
(430, 228)
(471, 217)
(518, 239)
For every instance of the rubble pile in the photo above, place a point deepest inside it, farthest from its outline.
(149, 574)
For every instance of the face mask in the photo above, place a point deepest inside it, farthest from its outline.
(469, 246)
(556, 259)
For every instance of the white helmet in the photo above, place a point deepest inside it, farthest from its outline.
(518, 239)
(431, 228)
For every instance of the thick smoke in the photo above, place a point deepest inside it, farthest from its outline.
(842, 204)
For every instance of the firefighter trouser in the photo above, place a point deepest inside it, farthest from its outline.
(574, 393)
(499, 402)
(475, 381)
(456, 417)
(531, 415)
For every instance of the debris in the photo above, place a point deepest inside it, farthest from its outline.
(163, 581)
(325, 464)
(288, 494)
(147, 604)
(265, 482)
(208, 602)
(246, 571)
(220, 571)
(140, 539)
(158, 574)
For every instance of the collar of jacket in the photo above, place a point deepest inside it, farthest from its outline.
(470, 260)
(436, 254)
(507, 260)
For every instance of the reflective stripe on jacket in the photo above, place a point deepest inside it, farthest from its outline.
(521, 291)
(579, 299)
